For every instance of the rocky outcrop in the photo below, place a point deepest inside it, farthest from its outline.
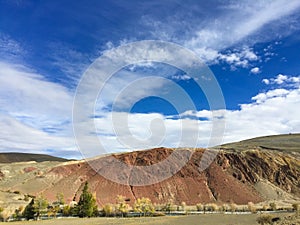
(278, 168)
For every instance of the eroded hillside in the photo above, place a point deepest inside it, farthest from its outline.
(253, 174)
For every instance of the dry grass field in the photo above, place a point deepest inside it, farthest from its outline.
(208, 219)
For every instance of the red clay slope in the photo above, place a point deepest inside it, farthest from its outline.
(230, 178)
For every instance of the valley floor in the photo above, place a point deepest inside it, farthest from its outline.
(206, 219)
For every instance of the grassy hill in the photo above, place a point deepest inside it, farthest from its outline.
(12, 157)
(284, 142)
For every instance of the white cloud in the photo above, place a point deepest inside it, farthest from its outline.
(272, 112)
(255, 70)
(239, 58)
(266, 81)
(24, 92)
(26, 96)
(207, 54)
(17, 136)
(181, 77)
(280, 79)
(35, 113)
(283, 80)
(262, 97)
(243, 23)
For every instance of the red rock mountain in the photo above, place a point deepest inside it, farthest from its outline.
(252, 170)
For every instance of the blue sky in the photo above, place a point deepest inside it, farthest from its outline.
(252, 48)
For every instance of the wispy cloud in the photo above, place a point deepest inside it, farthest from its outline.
(35, 114)
(10, 49)
(240, 21)
(69, 61)
(24, 91)
(236, 25)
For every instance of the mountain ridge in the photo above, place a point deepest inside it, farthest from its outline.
(240, 173)
(13, 157)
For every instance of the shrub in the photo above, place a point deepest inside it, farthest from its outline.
(214, 207)
(169, 207)
(1, 215)
(122, 207)
(211, 207)
(183, 206)
(273, 206)
(251, 207)
(26, 198)
(66, 210)
(199, 207)
(224, 207)
(233, 207)
(158, 207)
(265, 207)
(296, 208)
(144, 206)
(264, 219)
(108, 210)
(18, 215)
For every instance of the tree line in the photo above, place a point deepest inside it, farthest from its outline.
(87, 207)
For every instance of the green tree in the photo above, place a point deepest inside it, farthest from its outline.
(144, 205)
(29, 211)
(87, 206)
(40, 206)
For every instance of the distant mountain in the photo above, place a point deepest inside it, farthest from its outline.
(283, 142)
(12, 157)
(256, 170)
